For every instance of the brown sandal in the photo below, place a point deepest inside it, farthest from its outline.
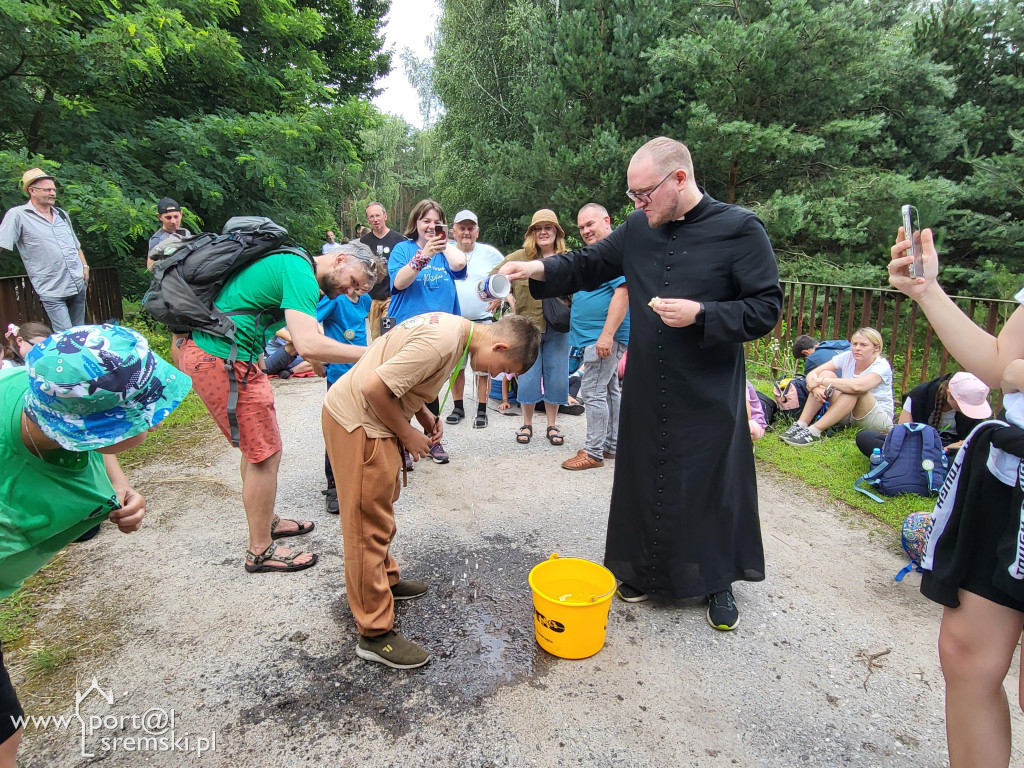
(555, 436)
(302, 529)
(257, 563)
(524, 435)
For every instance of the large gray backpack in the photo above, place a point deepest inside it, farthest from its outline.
(189, 273)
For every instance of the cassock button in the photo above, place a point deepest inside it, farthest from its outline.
(663, 390)
(662, 461)
(666, 282)
(661, 477)
(662, 377)
(659, 331)
(659, 503)
(664, 434)
(664, 405)
(671, 253)
(661, 490)
(663, 449)
(669, 266)
(664, 421)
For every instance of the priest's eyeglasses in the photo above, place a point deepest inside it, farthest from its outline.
(645, 197)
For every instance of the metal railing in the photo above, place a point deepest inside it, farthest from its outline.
(836, 311)
(19, 303)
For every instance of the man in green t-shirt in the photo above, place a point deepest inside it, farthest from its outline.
(84, 395)
(278, 281)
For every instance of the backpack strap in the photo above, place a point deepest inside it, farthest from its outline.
(869, 478)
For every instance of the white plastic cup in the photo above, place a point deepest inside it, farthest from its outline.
(493, 287)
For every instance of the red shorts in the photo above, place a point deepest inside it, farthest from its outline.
(258, 435)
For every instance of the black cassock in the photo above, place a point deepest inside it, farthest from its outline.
(683, 520)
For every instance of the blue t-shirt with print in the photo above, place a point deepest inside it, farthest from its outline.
(824, 352)
(433, 290)
(343, 320)
(589, 312)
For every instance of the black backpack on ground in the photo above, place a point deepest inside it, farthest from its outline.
(769, 406)
(190, 273)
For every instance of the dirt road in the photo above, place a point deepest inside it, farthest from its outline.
(834, 663)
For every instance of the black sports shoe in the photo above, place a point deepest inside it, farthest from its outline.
(722, 611)
(331, 500)
(630, 594)
(393, 650)
(409, 589)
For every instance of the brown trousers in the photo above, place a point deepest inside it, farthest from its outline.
(366, 470)
(378, 309)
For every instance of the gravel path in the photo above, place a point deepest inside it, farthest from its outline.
(834, 663)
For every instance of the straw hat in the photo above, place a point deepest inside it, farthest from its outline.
(545, 216)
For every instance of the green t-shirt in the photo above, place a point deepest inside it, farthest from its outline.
(43, 504)
(284, 280)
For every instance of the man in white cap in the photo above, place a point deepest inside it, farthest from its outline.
(49, 249)
(481, 259)
(381, 240)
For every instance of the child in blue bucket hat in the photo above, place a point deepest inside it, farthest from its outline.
(84, 395)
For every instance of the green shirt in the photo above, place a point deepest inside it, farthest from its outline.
(281, 280)
(43, 504)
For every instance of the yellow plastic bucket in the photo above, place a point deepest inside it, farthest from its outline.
(571, 599)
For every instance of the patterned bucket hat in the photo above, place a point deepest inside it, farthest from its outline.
(96, 385)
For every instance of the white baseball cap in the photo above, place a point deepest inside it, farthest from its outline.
(466, 215)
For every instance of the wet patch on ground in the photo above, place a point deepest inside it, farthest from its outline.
(476, 621)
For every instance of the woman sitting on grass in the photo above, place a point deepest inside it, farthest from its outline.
(954, 404)
(855, 387)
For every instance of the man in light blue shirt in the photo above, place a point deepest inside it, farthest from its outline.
(599, 324)
(49, 249)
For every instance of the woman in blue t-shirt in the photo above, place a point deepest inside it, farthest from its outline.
(423, 271)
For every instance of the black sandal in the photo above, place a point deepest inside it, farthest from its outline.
(257, 563)
(524, 435)
(457, 415)
(557, 438)
(481, 421)
(301, 530)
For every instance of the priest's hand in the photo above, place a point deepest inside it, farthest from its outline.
(677, 313)
(524, 270)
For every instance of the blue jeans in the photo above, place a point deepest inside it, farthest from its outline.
(551, 370)
(65, 311)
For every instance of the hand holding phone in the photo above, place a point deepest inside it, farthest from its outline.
(912, 232)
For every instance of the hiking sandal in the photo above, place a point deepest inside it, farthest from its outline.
(257, 563)
(481, 421)
(557, 438)
(302, 529)
(524, 435)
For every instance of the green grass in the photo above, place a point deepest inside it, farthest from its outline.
(18, 612)
(833, 465)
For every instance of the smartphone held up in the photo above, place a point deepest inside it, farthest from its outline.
(912, 232)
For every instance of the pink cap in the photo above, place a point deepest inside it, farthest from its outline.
(971, 394)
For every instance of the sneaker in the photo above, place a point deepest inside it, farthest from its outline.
(794, 429)
(722, 611)
(438, 454)
(392, 650)
(409, 463)
(630, 594)
(582, 460)
(409, 589)
(571, 410)
(803, 437)
(610, 455)
(331, 500)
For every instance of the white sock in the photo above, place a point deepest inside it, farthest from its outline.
(801, 424)
(814, 431)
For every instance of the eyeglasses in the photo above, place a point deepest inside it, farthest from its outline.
(645, 197)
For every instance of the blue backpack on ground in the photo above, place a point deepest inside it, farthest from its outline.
(913, 461)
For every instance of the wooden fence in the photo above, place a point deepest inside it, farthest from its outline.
(836, 311)
(19, 303)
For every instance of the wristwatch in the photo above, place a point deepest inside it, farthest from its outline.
(698, 319)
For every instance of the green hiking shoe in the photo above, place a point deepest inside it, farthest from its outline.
(393, 650)
(408, 589)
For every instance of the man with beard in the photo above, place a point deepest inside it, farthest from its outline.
(702, 281)
(278, 281)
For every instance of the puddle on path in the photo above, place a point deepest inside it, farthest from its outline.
(476, 621)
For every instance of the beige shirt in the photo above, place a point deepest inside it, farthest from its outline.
(414, 359)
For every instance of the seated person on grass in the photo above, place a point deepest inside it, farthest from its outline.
(954, 404)
(855, 385)
(84, 395)
(366, 423)
(814, 352)
(756, 419)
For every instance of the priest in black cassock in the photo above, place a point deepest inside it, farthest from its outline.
(702, 280)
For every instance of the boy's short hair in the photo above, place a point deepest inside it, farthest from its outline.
(802, 343)
(523, 337)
